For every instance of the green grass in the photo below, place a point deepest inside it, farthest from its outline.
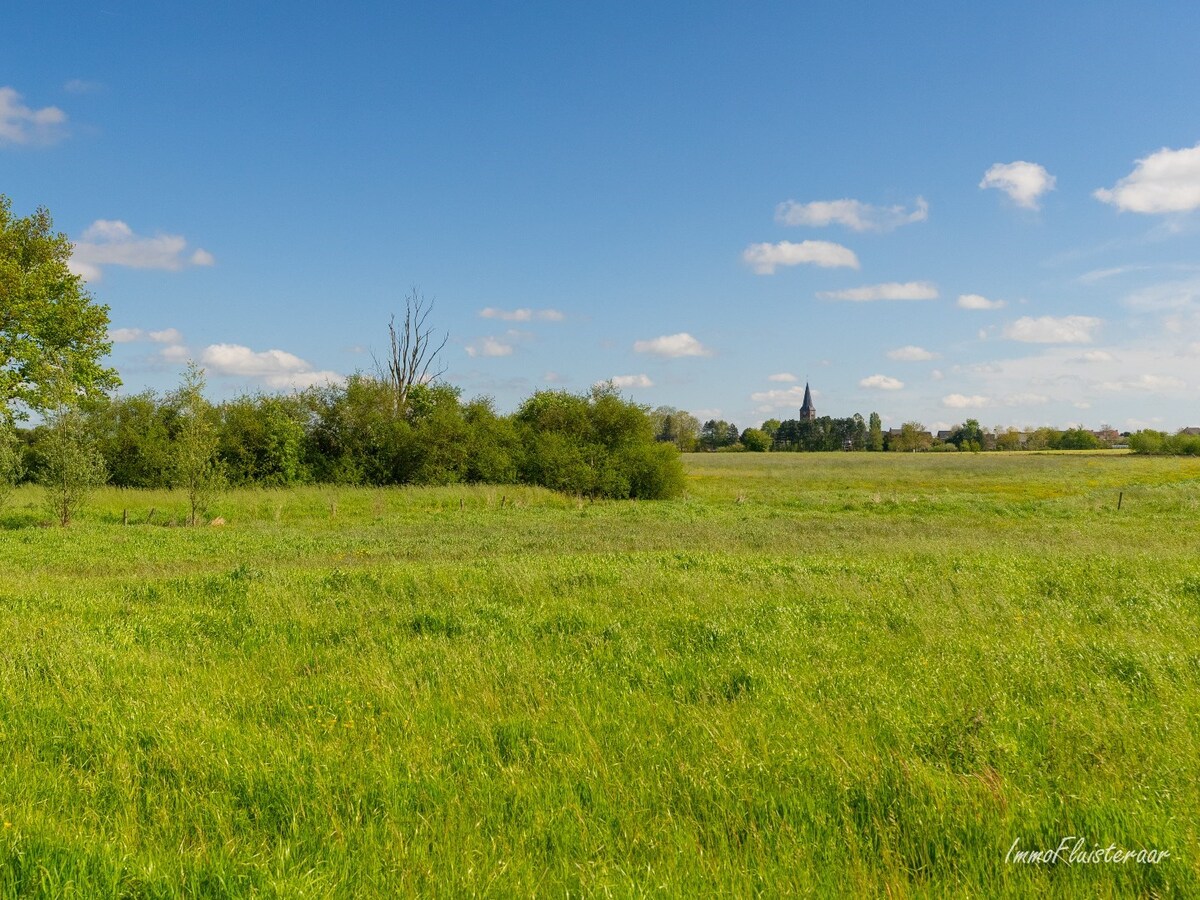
(849, 674)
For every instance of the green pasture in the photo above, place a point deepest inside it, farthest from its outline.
(816, 674)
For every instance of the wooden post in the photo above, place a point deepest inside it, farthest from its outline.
(150, 518)
(124, 517)
(1120, 497)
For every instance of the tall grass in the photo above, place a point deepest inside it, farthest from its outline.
(832, 674)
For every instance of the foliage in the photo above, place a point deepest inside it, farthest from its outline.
(875, 433)
(821, 434)
(195, 466)
(756, 440)
(676, 426)
(70, 465)
(597, 445)
(1160, 443)
(717, 433)
(912, 437)
(11, 462)
(51, 330)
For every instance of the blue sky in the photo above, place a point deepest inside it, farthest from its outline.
(932, 210)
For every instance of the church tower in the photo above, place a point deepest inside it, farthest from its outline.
(808, 412)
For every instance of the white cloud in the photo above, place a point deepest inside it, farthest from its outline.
(554, 378)
(765, 258)
(782, 376)
(778, 399)
(1026, 399)
(489, 346)
(166, 336)
(23, 125)
(134, 335)
(631, 381)
(854, 214)
(892, 290)
(521, 315)
(911, 353)
(175, 353)
(1164, 182)
(937, 375)
(1170, 295)
(962, 401)
(1024, 182)
(1145, 382)
(110, 242)
(1096, 356)
(277, 368)
(978, 301)
(881, 382)
(672, 346)
(1053, 330)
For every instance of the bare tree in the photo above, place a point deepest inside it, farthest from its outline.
(413, 356)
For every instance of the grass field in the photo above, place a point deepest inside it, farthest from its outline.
(850, 674)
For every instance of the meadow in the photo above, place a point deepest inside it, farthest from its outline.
(816, 674)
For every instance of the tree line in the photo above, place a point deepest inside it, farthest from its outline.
(400, 426)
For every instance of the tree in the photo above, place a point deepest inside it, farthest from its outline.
(756, 440)
(194, 447)
(10, 462)
(912, 436)
(70, 464)
(52, 332)
(676, 426)
(412, 352)
(875, 433)
(968, 436)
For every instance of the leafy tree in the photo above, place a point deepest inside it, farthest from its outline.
(968, 436)
(262, 440)
(70, 465)
(676, 426)
(875, 433)
(132, 434)
(770, 427)
(1077, 439)
(717, 433)
(10, 461)
(195, 466)
(52, 332)
(912, 436)
(756, 440)
(1008, 439)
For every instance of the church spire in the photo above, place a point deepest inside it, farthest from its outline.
(808, 412)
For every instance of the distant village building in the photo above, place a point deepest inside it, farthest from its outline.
(1183, 430)
(808, 412)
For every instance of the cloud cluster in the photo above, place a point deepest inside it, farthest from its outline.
(778, 398)
(110, 242)
(521, 315)
(978, 301)
(911, 353)
(631, 381)
(782, 376)
(135, 335)
(881, 383)
(962, 401)
(853, 214)
(764, 259)
(1053, 329)
(672, 346)
(276, 368)
(490, 346)
(21, 125)
(1024, 182)
(892, 290)
(1164, 182)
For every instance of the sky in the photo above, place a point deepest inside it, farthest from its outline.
(936, 211)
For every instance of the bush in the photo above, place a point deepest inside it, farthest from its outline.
(599, 445)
